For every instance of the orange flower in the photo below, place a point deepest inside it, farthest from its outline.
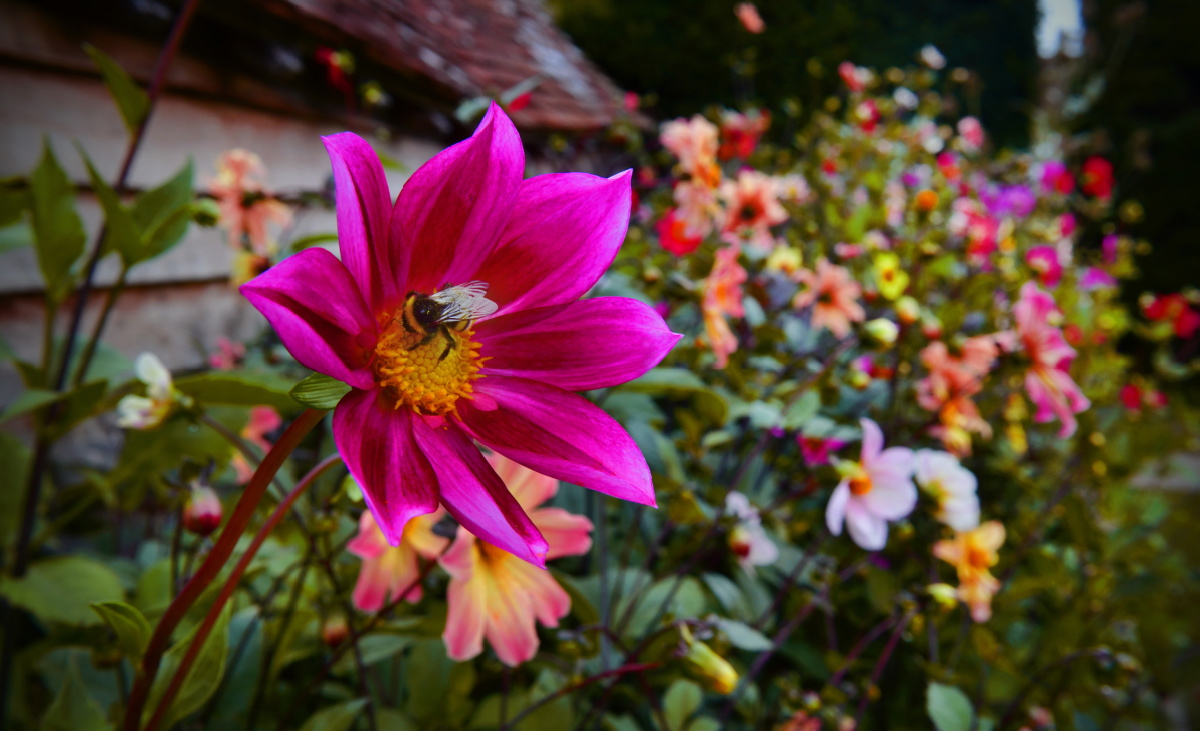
(752, 207)
(973, 553)
(388, 570)
(927, 200)
(723, 296)
(834, 294)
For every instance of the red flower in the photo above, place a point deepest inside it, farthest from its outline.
(1096, 178)
(1175, 308)
(673, 235)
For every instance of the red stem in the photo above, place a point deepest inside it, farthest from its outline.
(214, 562)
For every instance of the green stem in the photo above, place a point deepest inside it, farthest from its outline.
(213, 564)
(90, 351)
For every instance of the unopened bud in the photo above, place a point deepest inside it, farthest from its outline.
(707, 665)
(908, 311)
(943, 594)
(882, 331)
(202, 513)
(335, 630)
(931, 327)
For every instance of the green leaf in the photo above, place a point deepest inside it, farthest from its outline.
(131, 628)
(319, 391)
(305, 242)
(14, 465)
(57, 229)
(30, 399)
(428, 686)
(121, 232)
(389, 719)
(239, 388)
(203, 677)
(335, 718)
(79, 404)
(744, 636)
(12, 204)
(680, 702)
(801, 410)
(727, 593)
(581, 607)
(73, 708)
(682, 383)
(61, 589)
(130, 99)
(949, 708)
(162, 214)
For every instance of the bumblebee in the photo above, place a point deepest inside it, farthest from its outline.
(450, 308)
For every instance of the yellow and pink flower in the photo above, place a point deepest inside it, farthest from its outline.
(496, 595)
(722, 298)
(246, 207)
(973, 553)
(388, 571)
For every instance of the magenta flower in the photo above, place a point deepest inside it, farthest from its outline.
(1094, 278)
(1043, 259)
(520, 254)
(1048, 381)
(876, 489)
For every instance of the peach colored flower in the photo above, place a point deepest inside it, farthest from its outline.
(697, 208)
(387, 571)
(722, 297)
(263, 421)
(246, 207)
(833, 294)
(752, 207)
(973, 553)
(694, 142)
(495, 594)
(751, 20)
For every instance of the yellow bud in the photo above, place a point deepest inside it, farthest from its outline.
(882, 331)
(944, 594)
(707, 665)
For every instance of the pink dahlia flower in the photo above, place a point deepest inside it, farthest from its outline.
(519, 254)
(1043, 259)
(877, 489)
(833, 294)
(388, 571)
(1048, 382)
(494, 595)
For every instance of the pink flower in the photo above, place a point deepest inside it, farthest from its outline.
(388, 571)
(740, 133)
(1049, 384)
(747, 539)
(1043, 259)
(501, 370)
(697, 208)
(229, 354)
(816, 450)
(694, 142)
(867, 113)
(752, 207)
(877, 489)
(723, 297)
(1095, 278)
(245, 206)
(834, 294)
(493, 594)
(972, 132)
(751, 20)
(263, 421)
(856, 78)
(1056, 178)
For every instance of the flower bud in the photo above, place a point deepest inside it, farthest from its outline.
(882, 331)
(931, 327)
(908, 311)
(927, 200)
(708, 666)
(202, 513)
(335, 630)
(943, 594)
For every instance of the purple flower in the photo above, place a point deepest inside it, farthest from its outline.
(1096, 278)
(430, 380)
(1010, 200)
(1109, 248)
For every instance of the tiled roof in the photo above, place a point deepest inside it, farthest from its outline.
(472, 47)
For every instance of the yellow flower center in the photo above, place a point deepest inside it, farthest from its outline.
(978, 557)
(426, 371)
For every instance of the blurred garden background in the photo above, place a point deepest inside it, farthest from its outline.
(886, 358)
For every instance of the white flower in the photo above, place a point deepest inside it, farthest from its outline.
(933, 58)
(905, 98)
(748, 539)
(147, 412)
(875, 490)
(952, 485)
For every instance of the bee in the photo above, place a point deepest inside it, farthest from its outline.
(449, 308)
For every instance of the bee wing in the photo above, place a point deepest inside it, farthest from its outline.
(464, 302)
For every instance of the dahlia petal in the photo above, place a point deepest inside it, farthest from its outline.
(891, 500)
(363, 209)
(403, 571)
(872, 441)
(466, 619)
(835, 510)
(371, 589)
(593, 343)
(448, 214)
(564, 232)
(312, 302)
(990, 535)
(510, 621)
(549, 601)
(376, 443)
(369, 543)
(460, 559)
(560, 434)
(475, 495)
(894, 462)
(869, 531)
(567, 533)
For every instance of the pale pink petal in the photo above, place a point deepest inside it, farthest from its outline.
(450, 213)
(510, 622)
(363, 209)
(371, 589)
(369, 543)
(868, 531)
(314, 305)
(568, 534)
(835, 510)
(466, 617)
(474, 494)
(564, 232)
(593, 343)
(549, 601)
(560, 434)
(890, 498)
(872, 441)
(459, 560)
(894, 463)
(530, 488)
(376, 442)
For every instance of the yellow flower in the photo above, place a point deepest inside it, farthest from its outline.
(973, 553)
(892, 280)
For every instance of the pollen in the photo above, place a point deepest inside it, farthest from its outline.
(411, 368)
(860, 484)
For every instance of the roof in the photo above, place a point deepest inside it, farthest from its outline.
(471, 48)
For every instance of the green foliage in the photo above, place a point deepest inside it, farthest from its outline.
(131, 628)
(131, 100)
(336, 718)
(57, 229)
(949, 708)
(239, 388)
(73, 708)
(319, 391)
(62, 589)
(204, 676)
